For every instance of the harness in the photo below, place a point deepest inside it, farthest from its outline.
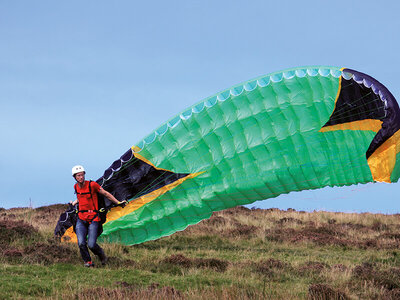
(98, 212)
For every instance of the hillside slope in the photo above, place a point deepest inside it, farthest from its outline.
(237, 253)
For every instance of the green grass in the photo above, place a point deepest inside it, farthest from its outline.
(285, 255)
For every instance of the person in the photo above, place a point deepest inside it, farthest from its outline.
(88, 223)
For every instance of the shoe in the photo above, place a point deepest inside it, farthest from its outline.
(88, 264)
(103, 258)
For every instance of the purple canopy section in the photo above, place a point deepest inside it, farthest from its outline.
(391, 120)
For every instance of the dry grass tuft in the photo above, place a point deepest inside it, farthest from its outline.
(216, 264)
(183, 261)
(118, 262)
(392, 294)
(238, 210)
(325, 292)
(12, 252)
(388, 279)
(129, 291)
(178, 259)
(49, 253)
(272, 263)
(289, 220)
(11, 230)
(271, 267)
(23, 242)
(313, 267)
(242, 230)
(340, 267)
(318, 235)
(214, 221)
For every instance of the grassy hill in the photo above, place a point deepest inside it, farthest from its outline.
(236, 254)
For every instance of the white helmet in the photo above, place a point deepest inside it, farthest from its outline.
(77, 169)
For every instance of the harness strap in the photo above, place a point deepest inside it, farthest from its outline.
(94, 210)
(90, 211)
(90, 189)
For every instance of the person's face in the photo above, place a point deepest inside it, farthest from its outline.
(80, 177)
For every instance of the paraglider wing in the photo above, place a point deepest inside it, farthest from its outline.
(293, 130)
(66, 220)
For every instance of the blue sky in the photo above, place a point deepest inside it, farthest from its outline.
(82, 81)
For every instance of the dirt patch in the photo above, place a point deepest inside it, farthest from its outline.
(325, 292)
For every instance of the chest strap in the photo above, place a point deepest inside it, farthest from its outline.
(90, 189)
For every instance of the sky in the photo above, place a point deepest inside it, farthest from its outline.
(83, 81)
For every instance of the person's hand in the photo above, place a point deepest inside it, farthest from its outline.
(123, 203)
